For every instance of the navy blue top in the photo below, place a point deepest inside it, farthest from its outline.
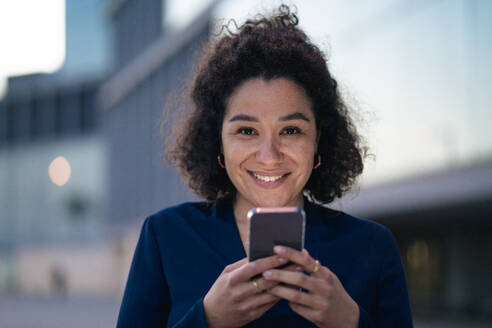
(183, 249)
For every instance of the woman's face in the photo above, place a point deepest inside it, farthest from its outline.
(269, 140)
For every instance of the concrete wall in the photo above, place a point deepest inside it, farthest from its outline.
(140, 182)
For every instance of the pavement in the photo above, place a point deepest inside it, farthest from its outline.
(28, 312)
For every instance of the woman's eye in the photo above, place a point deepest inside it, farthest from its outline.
(291, 130)
(246, 131)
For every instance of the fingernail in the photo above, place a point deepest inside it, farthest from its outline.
(267, 273)
(282, 259)
(279, 249)
(298, 268)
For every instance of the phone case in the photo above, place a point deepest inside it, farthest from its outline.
(269, 227)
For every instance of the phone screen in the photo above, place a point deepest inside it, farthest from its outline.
(269, 227)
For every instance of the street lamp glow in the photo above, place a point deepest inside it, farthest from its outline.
(59, 171)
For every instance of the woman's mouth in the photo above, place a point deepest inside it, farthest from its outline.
(268, 180)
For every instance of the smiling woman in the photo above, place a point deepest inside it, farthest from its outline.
(267, 128)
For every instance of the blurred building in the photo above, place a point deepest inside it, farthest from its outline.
(152, 70)
(78, 238)
(153, 66)
(44, 117)
(443, 226)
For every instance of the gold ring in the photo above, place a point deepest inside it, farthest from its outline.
(258, 290)
(317, 265)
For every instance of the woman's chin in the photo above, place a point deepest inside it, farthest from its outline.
(278, 202)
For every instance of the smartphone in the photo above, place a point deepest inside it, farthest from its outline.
(271, 226)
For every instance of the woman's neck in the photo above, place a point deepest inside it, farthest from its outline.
(242, 206)
(241, 211)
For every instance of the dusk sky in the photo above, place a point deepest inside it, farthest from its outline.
(32, 37)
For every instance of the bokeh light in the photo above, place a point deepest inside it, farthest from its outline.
(418, 254)
(59, 171)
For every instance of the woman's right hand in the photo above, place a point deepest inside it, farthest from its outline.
(234, 299)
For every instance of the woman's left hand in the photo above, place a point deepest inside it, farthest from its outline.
(326, 303)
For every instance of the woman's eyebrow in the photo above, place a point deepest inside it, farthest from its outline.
(290, 117)
(295, 116)
(243, 117)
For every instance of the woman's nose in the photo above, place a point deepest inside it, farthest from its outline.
(269, 152)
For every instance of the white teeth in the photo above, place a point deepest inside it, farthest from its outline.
(267, 179)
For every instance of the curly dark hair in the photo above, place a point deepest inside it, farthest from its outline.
(267, 48)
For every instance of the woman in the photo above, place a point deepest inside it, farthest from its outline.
(268, 128)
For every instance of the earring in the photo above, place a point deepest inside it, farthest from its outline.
(219, 160)
(317, 164)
